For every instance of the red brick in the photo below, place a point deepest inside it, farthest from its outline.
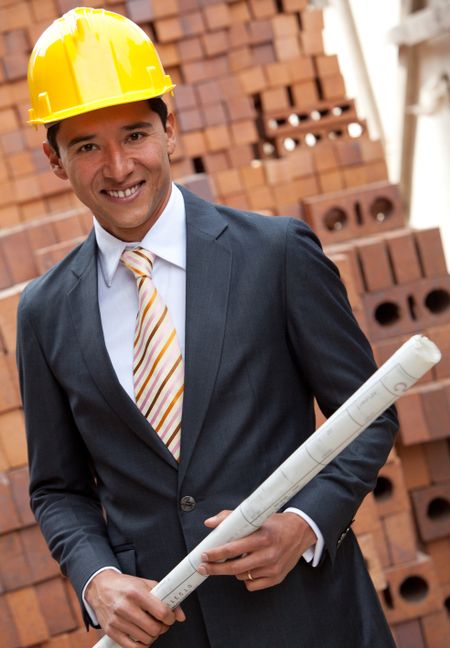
(436, 405)
(239, 12)
(14, 568)
(403, 255)
(194, 143)
(165, 7)
(16, 16)
(43, 9)
(9, 216)
(67, 228)
(437, 457)
(274, 99)
(253, 80)
(9, 394)
(327, 65)
(375, 264)
(24, 607)
(168, 29)
(372, 560)
(432, 510)
(409, 634)
(331, 181)
(333, 87)
(305, 94)
(413, 588)
(83, 639)
(12, 438)
(440, 335)
(294, 5)
(237, 35)
(9, 520)
(8, 120)
(191, 49)
(439, 550)
(20, 491)
(414, 464)
(38, 555)
(262, 8)
(431, 252)
(243, 132)
(217, 138)
(192, 23)
(216, 42)
(5, 277)
(401, 537)
(140, 11)
(240, 59)
(241, 155)
(413, 424)
(215, 162)
(217, 15)
(33, 210)
(8, 310)
(436, 629)
(214, 114)
(284, 25)
(185, 97)
(190, 120)
(15, 66)
(260, 32)
(390, 491)
(287, 48)
(55, 606)
(227, 182)
(8, 630)
(18, 256)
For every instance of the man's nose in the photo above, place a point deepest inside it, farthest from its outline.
(117, 165)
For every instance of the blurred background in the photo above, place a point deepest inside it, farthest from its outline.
(335, 112)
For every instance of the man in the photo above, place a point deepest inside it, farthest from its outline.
(257, 323)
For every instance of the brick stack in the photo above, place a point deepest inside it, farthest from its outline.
(264, 124)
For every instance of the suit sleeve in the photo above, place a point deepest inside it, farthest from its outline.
(335, 358)
(62, 482)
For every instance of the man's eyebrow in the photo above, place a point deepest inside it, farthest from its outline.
(136, 125)
(80, 138)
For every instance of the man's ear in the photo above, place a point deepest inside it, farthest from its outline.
(55, 161)
(170, 134)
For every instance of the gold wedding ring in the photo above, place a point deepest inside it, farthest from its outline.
(249, 576)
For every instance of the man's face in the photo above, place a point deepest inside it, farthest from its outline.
(117, 161)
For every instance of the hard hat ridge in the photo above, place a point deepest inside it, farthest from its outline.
(90, 59)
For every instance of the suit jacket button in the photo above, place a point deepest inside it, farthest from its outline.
(187, 503)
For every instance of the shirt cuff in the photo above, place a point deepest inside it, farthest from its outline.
(89, 610)
(314, 553)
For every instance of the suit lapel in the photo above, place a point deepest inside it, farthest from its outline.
(208, 275)
(83, 302)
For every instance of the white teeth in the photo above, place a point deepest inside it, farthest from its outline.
(123, 194)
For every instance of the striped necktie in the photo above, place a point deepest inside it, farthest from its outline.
(158, 373)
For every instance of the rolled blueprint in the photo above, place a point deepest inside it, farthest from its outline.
(386, 385)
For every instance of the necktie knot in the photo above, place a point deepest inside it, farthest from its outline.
(139, 261)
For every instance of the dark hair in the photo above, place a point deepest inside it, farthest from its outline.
(156, 104)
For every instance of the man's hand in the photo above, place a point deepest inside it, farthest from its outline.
(265, 557)
(127, 611)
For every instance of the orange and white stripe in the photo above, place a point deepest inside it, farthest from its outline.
(158, 371)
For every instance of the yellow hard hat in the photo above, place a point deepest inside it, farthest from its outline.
(90, 59)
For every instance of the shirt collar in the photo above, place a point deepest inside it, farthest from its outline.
(166, 239)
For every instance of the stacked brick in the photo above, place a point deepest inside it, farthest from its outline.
(264, 124)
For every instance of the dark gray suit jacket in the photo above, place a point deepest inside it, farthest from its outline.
(268, 326)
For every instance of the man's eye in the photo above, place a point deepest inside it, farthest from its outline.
(86, 148)
(135, 137)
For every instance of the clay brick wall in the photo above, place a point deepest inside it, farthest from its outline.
(264, 124)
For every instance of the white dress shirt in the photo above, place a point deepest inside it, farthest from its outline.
(118, 303)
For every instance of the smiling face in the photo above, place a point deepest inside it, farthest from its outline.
(117, 161)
